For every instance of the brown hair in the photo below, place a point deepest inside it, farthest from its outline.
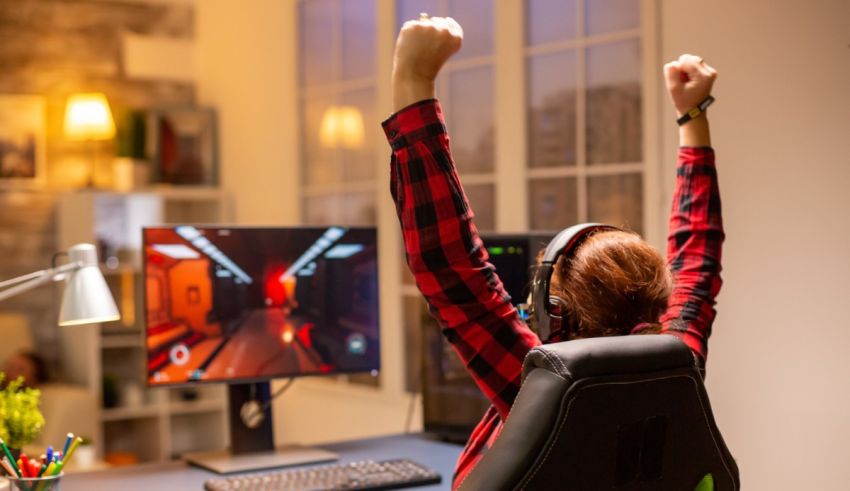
(614, 282)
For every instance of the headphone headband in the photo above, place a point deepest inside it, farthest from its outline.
(565, 243)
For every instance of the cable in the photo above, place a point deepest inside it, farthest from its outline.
(279, 392)
(252, 413)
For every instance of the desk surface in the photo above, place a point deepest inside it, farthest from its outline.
(178, 476)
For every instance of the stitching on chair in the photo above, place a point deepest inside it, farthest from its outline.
(555, 361)
(564, 419)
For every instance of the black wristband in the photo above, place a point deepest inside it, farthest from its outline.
(695, 112)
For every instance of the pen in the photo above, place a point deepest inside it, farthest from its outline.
(67, 456)
(41, 471)
(11, 459)
(68, 440)
(49, 454)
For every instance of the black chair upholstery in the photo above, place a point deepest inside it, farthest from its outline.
(627, 412)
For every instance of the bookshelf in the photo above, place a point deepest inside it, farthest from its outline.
(154, 424)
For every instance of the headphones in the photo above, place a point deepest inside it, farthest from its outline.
(564, 244)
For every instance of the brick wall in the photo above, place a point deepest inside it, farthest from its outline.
(54, 48)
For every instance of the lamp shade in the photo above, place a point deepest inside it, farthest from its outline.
(87, 299)
(342, 127)
(88, 117)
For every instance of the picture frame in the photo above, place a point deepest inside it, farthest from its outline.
(23, 141)
(184, 146)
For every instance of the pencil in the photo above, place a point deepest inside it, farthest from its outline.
(11, 459)
(8, 468)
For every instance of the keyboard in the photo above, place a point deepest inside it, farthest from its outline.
(363, 475)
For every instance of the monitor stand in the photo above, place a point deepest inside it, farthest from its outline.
(252, 447)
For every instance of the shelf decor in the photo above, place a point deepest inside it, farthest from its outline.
(185, 146)
(22, 140)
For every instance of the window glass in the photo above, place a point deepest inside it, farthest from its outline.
(358, 124)
(358, 39)
(616, 199)
(550, 21)
(316, 19)
(614, 129)
(552, 109)
(604, 16)
(470, 118)
(476, 17)
(553, 203)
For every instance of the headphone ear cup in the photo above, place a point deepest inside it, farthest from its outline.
(559, 321)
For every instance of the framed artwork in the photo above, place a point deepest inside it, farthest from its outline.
(23, 131)
(184, 144)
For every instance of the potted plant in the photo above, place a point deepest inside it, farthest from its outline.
(20, 418)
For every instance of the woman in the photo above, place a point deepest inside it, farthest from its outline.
(615, 283)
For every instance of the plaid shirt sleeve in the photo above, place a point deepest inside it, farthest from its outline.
(447, 258)
(694, 247)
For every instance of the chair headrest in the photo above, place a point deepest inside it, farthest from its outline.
(612, 355)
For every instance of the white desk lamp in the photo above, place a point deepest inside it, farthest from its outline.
(87, 299)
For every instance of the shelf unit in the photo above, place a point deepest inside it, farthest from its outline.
(155, 424)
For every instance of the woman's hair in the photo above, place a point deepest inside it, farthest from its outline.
(613, 282)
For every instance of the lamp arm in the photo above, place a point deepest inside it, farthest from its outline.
(29, 281)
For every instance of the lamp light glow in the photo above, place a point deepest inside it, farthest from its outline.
(342, 126)
(88, 117)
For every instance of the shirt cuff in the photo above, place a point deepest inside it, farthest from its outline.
(696, 156)
(418, 121)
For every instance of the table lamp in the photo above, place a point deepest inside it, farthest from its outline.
(88, 118)
(87, 299)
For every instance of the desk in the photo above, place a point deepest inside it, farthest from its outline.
(177, 476)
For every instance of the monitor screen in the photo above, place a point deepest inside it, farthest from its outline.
(248, 304)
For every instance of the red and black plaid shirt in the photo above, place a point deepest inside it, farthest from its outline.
(465, 295)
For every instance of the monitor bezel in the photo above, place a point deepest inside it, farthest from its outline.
(253, 380)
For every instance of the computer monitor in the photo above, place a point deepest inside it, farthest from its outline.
(245, 305)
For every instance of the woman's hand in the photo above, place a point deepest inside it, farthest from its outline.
(689, 81)
(422, 48)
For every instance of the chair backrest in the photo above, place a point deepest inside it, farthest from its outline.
(627, 412)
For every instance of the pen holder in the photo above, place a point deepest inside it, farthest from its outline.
(49, 483)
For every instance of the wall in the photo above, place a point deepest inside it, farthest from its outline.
(245, 68)
(54, 48)
(780, 126)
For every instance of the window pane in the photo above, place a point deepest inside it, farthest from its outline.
(358, 209)
(319, 159)
(352, 209)
(617, 200)
(358, 38)
(614, 130)
(611, 15)
(469, 115)
(482, 200)
(316, 50)
(358, 154)
(410, 9)
(476, 17)
(553, 203)
(322, 210)
(552, 109)
(547, 21)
